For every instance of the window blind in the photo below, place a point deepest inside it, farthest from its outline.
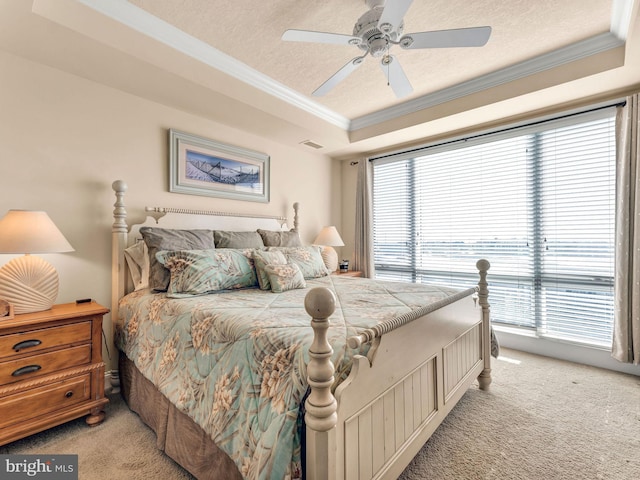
(536, 201)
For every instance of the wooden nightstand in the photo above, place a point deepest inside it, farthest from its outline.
(350, 273)
(51, 369)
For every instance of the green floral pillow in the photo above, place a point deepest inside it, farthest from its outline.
(261, 259)
(197, 272)
(308, 259)
(284, 277)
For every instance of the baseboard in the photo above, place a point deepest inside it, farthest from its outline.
(111, 382)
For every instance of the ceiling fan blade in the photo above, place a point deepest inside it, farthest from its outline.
(396, 77)
(337, 77)
(319, 37)
(458, 37)
(393, 14)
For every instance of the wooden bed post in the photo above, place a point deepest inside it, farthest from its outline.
(296, 210)
(484, 379)
(119, 232)
(321, 406)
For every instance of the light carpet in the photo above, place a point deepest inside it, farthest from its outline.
(543, 419)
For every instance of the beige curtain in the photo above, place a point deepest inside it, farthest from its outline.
(364, 220)
(626, 330)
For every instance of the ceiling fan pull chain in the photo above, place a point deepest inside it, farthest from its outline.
(388, 68)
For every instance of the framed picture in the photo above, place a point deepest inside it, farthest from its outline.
(199, 166)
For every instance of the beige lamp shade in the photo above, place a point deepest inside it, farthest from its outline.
(30, 283)
(329, 238)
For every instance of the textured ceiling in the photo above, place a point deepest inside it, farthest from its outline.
(250, 31)
(225, 61)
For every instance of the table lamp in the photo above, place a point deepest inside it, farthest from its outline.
(30, 283)
(329, 238)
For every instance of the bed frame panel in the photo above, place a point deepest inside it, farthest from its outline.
(378, 433)
(394, 398)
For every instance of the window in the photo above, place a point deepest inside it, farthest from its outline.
(536, 201)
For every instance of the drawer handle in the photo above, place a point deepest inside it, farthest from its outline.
(26, 369)
(69, 394)
(26, 344)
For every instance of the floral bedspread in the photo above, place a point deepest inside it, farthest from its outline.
(235, 361)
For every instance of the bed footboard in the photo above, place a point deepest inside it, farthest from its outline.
(395, 398)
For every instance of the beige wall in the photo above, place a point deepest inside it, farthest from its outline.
(66, 139)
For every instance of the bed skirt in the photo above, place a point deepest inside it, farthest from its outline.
(177, 435)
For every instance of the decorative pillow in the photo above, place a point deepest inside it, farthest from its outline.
(225, 239)
(196, 272)
(274, 238)
(158, 239)
(137, 257)
(284, 277)
(307, 258)
(263, 258)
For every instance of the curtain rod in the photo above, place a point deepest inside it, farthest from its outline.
(508, 129)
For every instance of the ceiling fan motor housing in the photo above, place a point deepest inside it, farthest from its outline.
(374, 40)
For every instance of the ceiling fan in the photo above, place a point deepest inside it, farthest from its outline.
(376, 31)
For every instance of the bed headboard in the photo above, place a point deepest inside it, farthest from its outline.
(125, 235)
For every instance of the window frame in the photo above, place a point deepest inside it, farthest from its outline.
(412, 272)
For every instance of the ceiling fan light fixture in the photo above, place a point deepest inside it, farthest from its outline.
(378, 46)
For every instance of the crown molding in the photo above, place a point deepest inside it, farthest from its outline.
(576, 51)
(621, 16)
(153, 27)
(145, 23)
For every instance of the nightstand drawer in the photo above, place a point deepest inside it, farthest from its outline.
(42, 400)
(33, 366)
(51, 369)
(36, 340)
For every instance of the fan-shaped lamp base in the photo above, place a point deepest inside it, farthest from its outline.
(29, 283)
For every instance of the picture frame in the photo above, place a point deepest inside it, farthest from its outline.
(200, 166)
